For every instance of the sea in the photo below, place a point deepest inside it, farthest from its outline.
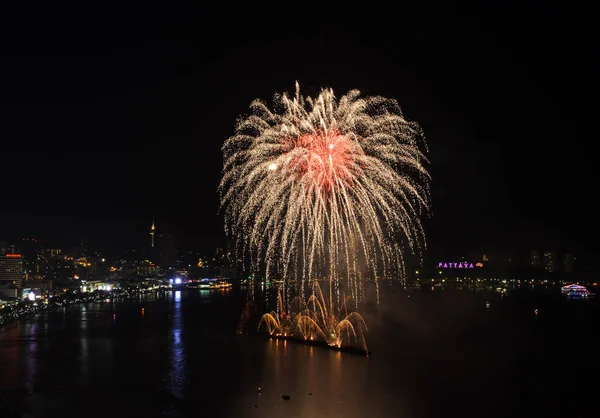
(434, 354)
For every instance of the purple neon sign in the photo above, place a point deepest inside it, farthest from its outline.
(458, 265)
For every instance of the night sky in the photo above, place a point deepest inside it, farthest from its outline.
(110, 115)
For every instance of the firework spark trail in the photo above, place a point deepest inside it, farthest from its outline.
(326, 188)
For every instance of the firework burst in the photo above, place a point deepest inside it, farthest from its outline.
(326, 188)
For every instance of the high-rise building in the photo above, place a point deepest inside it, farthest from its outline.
(166, 254)
(83, 249)
(568, 263)
(11, 270)
(53, 252)
(536, 259)
(30, 248)
(549, 261)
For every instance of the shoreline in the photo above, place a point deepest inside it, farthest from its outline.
(71, 300)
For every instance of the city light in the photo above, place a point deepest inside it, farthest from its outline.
(456, 265)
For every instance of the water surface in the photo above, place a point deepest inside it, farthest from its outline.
(177, 354)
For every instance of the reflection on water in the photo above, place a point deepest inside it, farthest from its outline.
(177, 374)
(322, 382)
(183, 358)
(31, 359)
(84, 361)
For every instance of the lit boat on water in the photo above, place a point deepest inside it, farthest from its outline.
(223, 285)
(575, 291)
(214, 284)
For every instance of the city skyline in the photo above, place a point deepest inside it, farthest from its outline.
(507, 144)
(549, 260)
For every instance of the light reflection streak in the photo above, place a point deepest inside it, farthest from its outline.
(84, 349)
(31, 360)
(177, 373)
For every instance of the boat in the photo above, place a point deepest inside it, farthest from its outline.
(575, 291)
(214, 284)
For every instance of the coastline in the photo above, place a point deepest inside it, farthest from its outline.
(61, 301)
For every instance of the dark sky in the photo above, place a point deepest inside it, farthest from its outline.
(112, 114)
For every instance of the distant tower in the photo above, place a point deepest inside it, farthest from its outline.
(152, 228)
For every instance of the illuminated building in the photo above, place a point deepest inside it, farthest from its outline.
(568, 263)
(11, 270)
(30, 248)
(54, 252)
(536, 259)
(81, 250)
(549, 260)
(167, 251)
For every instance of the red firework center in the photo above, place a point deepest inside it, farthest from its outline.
(323, 157)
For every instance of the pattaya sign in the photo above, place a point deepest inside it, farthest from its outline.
(459, 265)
